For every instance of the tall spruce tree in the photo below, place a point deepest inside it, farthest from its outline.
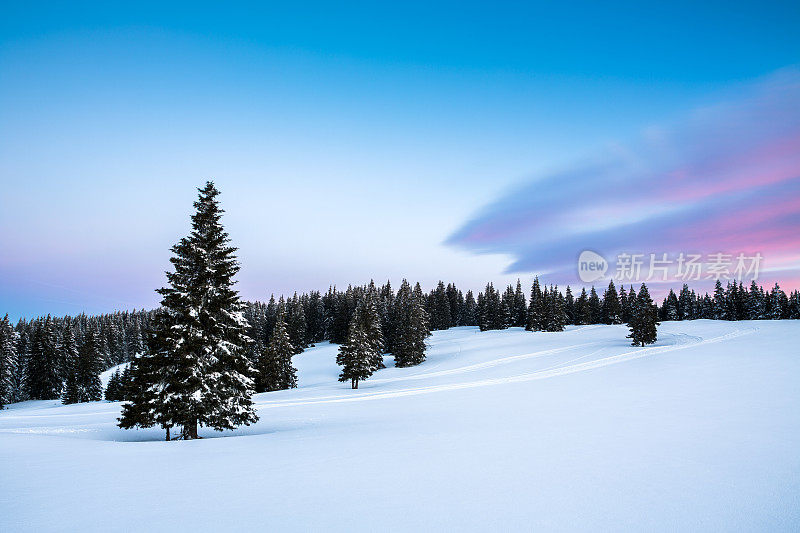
(358, 354)
(440, 308)
(44, 368)
(89, 363)
(536, 309)
(470, 315)
(583, 313)
(206, 378)
(8, 361)
(555, 317)
(74, 390)
(595, 307)
(410, 327)
(644, 319)
(720, 302)
(296, 323)
(274, 369)
(612, 310)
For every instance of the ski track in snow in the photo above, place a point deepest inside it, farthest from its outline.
(681, 341)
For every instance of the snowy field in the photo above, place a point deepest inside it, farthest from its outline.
(501, 430)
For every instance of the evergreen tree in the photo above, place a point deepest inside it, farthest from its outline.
(536, 309)
(358, 353)
(755, 302)
(371, 325)
(470, 315)
(670, 308)
(779, 303)
(685, 304)
(644, 319)
(720, 302)
(595, 307)
(275, 370)
(569, 305)
(440, 308)
(89, 363)
(206, 380)
(73, 392)
(135, 342)
(8, 361)
(583, 313)
(296, 324)
(623, 303)
(452, 294)
(520, 312)
(555, 317)
(114, 388)
(411, 327)
(43, 369)
(612, 310)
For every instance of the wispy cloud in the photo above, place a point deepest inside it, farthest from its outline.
(724, 179)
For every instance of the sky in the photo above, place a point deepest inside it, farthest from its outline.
(459, 141)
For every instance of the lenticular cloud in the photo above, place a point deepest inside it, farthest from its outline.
(725, 179)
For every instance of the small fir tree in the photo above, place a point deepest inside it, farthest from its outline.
(644, 319)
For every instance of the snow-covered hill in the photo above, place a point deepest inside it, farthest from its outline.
(501, 430)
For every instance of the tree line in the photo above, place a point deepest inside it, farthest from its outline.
(49, 357)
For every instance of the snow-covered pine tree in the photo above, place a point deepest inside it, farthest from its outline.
(555, 317)
(296, 323)
(371, 321)
(452, 294)
(125, 382)
(520, 311)
(755, 302)
(72, 391)
(644, 319)
(670, 307)
(18, 388)
(612, 310)
(274, 369)
(631, 302)
(779, 303)
(794, 305)
(536, 308)
(420, 296)
(89, 363)
(470, 314)
(595, 307)
(583, 313)
(358, 353)
(207, 380)
(720, 302)
(43, 369)
(135, 342)
(71, 354)
(411, 327)
(8, 361)
(440, 308)
(623, 304)
(685, 304)
(112, 393)
(569, 305)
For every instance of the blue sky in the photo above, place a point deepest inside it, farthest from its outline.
(349, 142)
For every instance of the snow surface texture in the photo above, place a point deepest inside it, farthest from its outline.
(501, 430)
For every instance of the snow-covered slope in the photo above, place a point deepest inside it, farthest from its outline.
(495, 431)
